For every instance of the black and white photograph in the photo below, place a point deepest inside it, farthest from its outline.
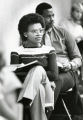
(41, 59)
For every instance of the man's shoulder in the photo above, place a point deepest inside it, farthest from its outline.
(47, 48)
(60, 30)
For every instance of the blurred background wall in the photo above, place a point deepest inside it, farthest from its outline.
(12, 10)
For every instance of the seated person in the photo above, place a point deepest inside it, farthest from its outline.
(73, 26)
(37, 92)
(67, 54)
(9, 83)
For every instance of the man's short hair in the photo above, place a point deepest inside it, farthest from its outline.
(41, 7)
(27, 20)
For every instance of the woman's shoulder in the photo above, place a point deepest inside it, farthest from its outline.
(18, 50)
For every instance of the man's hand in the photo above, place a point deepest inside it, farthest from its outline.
(78, 39)
(66, 66)
(73, 66)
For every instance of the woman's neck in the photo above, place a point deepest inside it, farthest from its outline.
(28, 44)
(76, 21)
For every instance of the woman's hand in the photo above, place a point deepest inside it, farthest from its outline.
(53, 86)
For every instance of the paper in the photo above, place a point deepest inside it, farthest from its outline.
(26, 67)
(59, 65)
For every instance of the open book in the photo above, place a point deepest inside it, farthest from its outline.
(25, 67)
(59, 65)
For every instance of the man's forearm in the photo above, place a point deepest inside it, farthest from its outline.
(76, 62)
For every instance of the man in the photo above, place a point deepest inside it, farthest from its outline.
(68, 55)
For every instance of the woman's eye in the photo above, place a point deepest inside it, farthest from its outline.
(41, 30)
(34, 31)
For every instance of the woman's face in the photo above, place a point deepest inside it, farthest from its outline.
(34, 33)
(77, 14)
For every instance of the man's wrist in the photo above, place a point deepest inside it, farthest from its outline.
(73, 65)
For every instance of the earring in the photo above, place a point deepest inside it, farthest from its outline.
(25, 34)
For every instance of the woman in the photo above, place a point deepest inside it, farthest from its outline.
(38, 91)
(73, 26)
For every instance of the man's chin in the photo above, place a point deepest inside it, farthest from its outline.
(50, 25)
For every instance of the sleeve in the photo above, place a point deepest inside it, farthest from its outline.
(73, 50)
(52, 66)
(14, 58)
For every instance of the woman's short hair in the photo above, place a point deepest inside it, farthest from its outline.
(76, 6)
(27, 20)
(42, 6)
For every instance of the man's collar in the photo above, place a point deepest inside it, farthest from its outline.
(49, 30)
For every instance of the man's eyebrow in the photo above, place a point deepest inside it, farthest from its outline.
(49, 15)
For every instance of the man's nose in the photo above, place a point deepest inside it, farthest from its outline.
(52, 18)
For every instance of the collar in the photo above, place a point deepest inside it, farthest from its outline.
(49, 30)
(75, 22)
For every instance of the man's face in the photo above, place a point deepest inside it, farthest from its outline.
(48, 15)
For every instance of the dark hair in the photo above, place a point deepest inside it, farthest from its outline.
(27, 20)
(41, 7)
(76, 6)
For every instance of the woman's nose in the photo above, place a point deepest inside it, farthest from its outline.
(40, 32)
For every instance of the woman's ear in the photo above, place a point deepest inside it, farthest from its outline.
(25, 34)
